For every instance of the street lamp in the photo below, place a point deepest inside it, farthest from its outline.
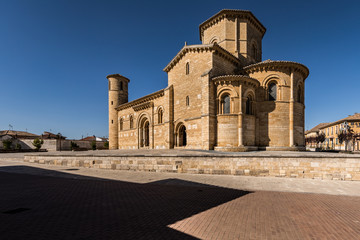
(59, 137)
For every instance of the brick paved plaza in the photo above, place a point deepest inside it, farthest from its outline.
(54, 202)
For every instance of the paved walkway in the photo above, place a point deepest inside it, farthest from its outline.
(333, 187)
(54, 202)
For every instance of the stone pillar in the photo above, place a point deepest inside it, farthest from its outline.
(208, 113)
(240, 118)
(291, 111)
(169, 116)
(237, 36)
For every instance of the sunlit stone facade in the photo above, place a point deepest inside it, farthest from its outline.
(220, 95)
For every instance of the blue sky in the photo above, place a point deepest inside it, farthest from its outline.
(55, 55)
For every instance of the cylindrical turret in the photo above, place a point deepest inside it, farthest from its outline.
(118, 94)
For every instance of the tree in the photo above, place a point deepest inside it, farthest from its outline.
(320, 138)
(346, 135)
(93, 145)
(355, 138)
(38, 143)
(7, 144)
(106, 145)
(73, 145)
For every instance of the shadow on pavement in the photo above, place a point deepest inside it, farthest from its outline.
(48, 204)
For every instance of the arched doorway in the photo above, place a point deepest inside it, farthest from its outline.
(180, 136)
(144, 135)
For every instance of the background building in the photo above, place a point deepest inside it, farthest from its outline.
(331, 131)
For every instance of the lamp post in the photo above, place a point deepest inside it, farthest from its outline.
(59, 137)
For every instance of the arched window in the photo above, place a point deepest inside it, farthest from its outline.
(272, 91)
(300, 94)
(160, 116)
(225, 102)
(131, 122)
(255, 51)
(187, 68)
(187, 101)
(121, 124)
(121, 86)
(249, 105)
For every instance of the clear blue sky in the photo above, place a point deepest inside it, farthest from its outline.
(55, 55)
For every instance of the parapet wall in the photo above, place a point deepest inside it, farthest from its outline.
(335, 168)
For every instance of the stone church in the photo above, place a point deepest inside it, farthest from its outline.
(220, 95)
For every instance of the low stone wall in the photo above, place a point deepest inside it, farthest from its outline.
(336, 168)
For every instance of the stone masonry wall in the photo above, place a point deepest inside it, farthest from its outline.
(325, 167)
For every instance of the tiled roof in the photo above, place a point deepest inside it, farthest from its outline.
(92, 138)
(272, 63)
(19, 134)
(245, 14)
(317, 127)
(51, 135)
(351, 118)
(201, 47)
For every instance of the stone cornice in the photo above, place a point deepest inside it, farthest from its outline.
(118, 76)
(201, 48)
(274, 65)
(242, 14)
(226, 79)
(141, 100)
(143, 106)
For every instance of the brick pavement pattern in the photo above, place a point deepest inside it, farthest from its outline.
(43, 207)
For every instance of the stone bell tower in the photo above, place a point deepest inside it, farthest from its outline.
(118, 94)
(237, 31)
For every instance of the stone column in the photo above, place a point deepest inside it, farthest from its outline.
(240, 118)
(151, 128)
(291, 112)
(208, 113)
(237, 36)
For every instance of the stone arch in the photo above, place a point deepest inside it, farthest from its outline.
(272, 88)
(249, 96)
(121, 124)
(273, 77)
(214, 39)
(230, 90)
(225, 105)
(180, 134)
(144, 130)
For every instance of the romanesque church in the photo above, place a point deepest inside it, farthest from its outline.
(220, 95)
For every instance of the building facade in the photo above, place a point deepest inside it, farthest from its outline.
(331, 131)
(220, 95)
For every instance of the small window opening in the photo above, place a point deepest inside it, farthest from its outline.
(112, 121)
(249, 105)
(112, 103)
(121, 86)
(187, 101)
(131, 122)
(300, 95)
(272, 91)
(255, 51)
(225, 102)
(121, 124)
(160, 116)
(187, 68)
